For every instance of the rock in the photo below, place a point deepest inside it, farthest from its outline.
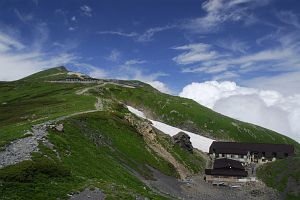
(59, 127)
(183, 140)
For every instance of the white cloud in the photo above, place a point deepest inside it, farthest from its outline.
(71, 28)
(288, 17)
(119, 33)
(198, 52)
(286, 83)
(221, 11)
(282, 57)
(267, 108)
(91, 70)
(160, 86)
(86, 10)
(146, 36)
(233, 45)
(73, 18)
(149, 34)
(134, 62)
(23, 17)
(128, 72)
(18, 60)
(8, 43)
(114, 55)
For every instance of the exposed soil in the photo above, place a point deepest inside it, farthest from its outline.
(196, 188)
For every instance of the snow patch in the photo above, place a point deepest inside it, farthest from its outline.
(198, 141)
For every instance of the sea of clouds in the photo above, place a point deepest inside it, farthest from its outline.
(267, 108)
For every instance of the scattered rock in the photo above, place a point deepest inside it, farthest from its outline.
(59, 127)
(183, 140)
(95, 194)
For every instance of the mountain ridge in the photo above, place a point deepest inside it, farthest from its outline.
(109, 134)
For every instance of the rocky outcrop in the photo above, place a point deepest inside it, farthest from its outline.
(145, 129)
(21, 149)
(57, 127)
(183, 140)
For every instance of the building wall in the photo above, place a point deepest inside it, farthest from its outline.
(229, 179)
(247, 159)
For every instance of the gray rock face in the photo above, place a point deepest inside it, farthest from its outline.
(21, 149)
(59, 127)
(89, 194)
(183, 140)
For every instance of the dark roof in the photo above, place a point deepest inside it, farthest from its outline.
(226, 172)
(243, 148)
(228, 163)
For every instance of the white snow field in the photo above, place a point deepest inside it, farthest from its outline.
(198, 141)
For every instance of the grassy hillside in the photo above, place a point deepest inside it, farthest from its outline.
(102, 149)
(25, 103)
(189, 115)
(283, 175)
(97, 149)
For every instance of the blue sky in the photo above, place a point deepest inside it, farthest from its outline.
(173, 41)
(225, 47)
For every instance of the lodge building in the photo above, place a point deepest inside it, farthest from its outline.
(226, 171)
(250, 152)
(230, 160)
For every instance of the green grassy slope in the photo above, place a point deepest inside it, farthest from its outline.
(97, 149)
(283, 175)
(56, 73)
(189, 115)
(100, 149)
(25, 103)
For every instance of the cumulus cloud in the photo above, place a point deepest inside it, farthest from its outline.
(267, 108)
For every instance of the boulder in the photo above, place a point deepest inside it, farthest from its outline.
(59, 127)
(183, 140)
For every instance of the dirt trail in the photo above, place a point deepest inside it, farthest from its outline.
(196, 188)
(21, 149)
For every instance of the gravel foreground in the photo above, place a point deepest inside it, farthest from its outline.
(196, 188)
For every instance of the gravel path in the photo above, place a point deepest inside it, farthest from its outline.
(21, 149)
(196, 188)
(89, 195)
